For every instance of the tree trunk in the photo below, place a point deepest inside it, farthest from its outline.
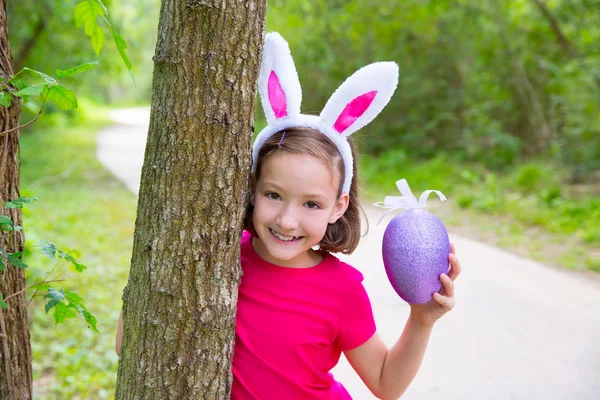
(15, 350)
(180, 301)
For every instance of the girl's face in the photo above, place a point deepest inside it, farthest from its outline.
(294, 200)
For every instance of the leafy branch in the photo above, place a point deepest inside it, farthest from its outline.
(86, 15)
(49, 89)
(64, 304)
(30, 286)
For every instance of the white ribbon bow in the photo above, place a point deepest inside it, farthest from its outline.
(407, 200)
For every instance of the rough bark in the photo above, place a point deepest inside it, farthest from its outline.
(15, 351)
(180, 301)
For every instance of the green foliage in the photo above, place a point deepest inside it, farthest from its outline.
(80, 206)
(19, 203)
(61, 96)
(534, 194)
(75, 71)
(489, 82)
(65, 305)
(6, 224)
(36, 26)
(15, 260)
(28, 85)
(86, 14)
(72, 302)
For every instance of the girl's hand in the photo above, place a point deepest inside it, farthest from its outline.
(441, 302)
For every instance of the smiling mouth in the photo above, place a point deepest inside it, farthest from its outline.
(283, 237)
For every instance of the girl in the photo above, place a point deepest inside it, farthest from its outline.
(299, 306)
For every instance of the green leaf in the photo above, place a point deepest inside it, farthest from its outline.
(90, 319)
(121, 46)
(42, 75)
(62, 312)
(19, 203)
(48, 249)
(5, 221)
(97, 40)
(103, 7)
(55, 297)
(66, 256)
(79, 267)
(76, 70)
(62, 97)
(73, 253)
(74, 298)
(34, 90)
(2, 264)
(86, 14)
(5, 99)
(6, 224)
(2, 303)
(15, 260)
(19, 83)
(70, 256)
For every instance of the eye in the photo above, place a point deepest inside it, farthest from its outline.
(273, 196)
(312, 205)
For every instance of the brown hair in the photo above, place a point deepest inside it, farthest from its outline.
(343, 235)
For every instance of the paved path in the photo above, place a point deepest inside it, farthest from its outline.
(520, 330)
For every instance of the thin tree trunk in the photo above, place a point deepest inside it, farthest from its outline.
(560, 36)
(31, 41)
(180, 301)
(15, 351)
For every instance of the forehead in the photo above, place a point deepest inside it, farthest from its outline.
(299, 173)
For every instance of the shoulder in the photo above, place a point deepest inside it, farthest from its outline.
(344, 273)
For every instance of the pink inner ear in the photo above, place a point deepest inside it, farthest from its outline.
(277, 96)
(353, 111)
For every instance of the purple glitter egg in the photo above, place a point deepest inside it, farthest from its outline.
(415, 252)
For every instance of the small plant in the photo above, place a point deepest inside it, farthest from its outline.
(63, 303)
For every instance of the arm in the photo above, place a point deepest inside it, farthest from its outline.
(119, 334)
(389, 372)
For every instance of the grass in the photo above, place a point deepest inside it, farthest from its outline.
(80, 206)
(527, 209)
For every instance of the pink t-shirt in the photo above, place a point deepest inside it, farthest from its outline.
(293, 324)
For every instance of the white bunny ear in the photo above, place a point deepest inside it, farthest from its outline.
(360, 98)
(278, 82)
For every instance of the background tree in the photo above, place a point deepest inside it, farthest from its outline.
(180, 302)
(15, 350)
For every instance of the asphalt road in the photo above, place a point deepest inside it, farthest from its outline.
(520, 329)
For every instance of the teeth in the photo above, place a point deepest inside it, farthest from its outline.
(284, 238)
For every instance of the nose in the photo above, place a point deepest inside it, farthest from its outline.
(287, 219)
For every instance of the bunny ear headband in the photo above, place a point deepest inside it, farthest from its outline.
(353, 105)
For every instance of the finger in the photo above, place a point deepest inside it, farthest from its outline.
(447, 303)
(455, 267)
(448, 289)
(452, 248)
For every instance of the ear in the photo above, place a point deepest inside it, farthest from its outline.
(278, 83)
(360, 98)
(340, 208)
